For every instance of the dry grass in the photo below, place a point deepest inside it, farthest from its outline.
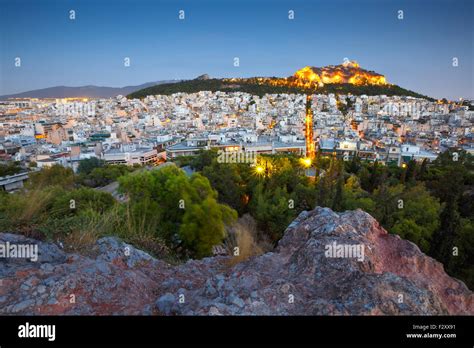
(83, 236)
(81, 241)
(29, 214)
(23, 213)
(34, 205)
(241, 242)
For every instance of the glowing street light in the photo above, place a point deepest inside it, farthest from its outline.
(306, 162)
(259, 170)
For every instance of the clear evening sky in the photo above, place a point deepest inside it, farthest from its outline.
(416, 52)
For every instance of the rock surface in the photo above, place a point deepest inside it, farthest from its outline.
(393, 278)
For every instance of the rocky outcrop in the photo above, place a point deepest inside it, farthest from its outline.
(203, 77)
(326, 264)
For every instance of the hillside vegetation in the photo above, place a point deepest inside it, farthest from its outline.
(249, 86)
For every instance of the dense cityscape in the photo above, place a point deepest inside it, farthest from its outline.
(44, 132)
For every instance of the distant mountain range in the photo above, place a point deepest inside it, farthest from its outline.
(83, 91)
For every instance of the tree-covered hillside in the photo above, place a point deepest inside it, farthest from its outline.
(250, 86)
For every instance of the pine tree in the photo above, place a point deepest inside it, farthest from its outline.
(450, 220)
(443, 243)
(337, 202)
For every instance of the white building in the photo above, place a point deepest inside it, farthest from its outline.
(131, 156)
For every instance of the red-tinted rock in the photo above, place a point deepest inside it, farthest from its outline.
(392, 278)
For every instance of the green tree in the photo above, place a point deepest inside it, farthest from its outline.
(304, 196)
(226, 179)
(354, 165)
(203, 225)
(377, 177)
(271, 210)
(355, 197)
(423, 169)
(56, 175)
(102, 176)
(338, 199)
(461, 265)
(417, 217)
(9, 169)
(87, 165)
(75, 201)
(186, 208)
(411, 172)
(449, 189)
(203, 159)
(448, 232)
(386, 203)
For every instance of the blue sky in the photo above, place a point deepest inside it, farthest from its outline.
(415, 53)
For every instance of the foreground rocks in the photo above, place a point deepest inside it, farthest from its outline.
(391, 277)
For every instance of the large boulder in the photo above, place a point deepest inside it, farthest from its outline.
(327, 263)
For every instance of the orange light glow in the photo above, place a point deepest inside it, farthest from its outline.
(313, 78)
(349, 72)
(310, 147)
(306, 162)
